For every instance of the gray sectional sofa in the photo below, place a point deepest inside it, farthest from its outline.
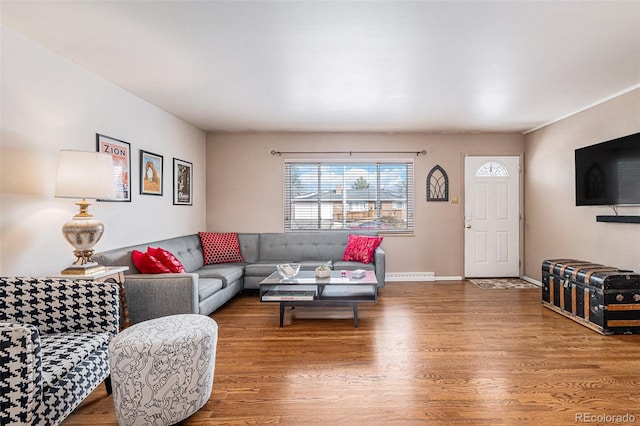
(205, 288)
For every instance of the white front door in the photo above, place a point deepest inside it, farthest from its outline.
(492, 217)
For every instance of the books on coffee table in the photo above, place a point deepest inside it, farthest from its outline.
(284, 295)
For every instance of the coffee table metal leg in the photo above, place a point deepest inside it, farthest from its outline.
(355, 315)
(281, 313)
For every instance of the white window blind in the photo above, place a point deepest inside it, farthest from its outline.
(329, 195)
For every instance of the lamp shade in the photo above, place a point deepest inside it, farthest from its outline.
(85, 174)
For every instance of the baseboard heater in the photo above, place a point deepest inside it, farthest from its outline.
(410, 276)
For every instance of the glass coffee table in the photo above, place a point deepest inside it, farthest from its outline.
(308, 290)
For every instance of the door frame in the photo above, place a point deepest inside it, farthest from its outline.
(521, 188)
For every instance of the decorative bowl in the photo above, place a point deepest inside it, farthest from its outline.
(322, 272)
(288, 270)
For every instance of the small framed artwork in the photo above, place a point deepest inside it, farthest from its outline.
(150, 173)
(120, 152)
(182, 182)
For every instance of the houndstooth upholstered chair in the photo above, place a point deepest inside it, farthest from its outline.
(54, 337)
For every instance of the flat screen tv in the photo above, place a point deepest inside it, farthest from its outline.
(608, 173)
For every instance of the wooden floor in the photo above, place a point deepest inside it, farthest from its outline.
(426, 353)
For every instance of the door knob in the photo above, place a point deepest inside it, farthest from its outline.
(468, 226)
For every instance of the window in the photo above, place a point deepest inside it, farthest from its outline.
(492, 169)
(377, 196)
(358, 206)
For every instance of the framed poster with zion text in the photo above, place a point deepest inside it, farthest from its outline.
(120, 152)
(150, 173)
(182, 182)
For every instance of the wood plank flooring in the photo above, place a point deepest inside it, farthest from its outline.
(426, 353)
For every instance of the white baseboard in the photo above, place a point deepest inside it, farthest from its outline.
(452, 278)
(417, 276)
(532, 281)
(431, 276)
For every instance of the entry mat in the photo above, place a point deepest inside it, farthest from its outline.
(501, 283)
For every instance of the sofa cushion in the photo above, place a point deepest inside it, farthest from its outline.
(228, 273)
(262, 269)
(62, 352)
(208, 286)
(148, 264)
(249, 247)
(167, 258)
(186, 248)
(360, 248)
(220, 247)
(350, 266)
(322, 246)
(310, 265)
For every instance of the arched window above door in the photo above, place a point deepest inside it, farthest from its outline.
(492, 169)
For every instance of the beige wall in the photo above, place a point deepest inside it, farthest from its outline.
(245, 186)
(554, 226)
(48, 104)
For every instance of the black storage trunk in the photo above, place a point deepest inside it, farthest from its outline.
(556, 290)
(603, 298)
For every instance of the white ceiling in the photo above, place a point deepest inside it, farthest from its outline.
(396, 66)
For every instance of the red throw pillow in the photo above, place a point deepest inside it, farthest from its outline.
(147, 264)
(360, 248)
(220, 247)
(167, 258)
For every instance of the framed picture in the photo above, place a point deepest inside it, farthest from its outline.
(120, 151)
(150, 173)
(182, 182)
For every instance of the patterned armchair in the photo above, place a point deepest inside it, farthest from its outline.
(54, 337)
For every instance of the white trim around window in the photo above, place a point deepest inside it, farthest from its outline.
(347, 195)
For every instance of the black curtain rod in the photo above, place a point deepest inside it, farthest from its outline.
(417, 153)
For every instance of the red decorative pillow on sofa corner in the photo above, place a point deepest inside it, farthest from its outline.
(147, 264)
(220, 247)
(167, 258)
(360, 248)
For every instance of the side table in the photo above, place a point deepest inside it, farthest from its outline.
(114, 274)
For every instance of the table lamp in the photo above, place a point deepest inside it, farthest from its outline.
(84, 174)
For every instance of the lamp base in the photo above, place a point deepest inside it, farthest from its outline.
(84, 269)
(83, 232)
